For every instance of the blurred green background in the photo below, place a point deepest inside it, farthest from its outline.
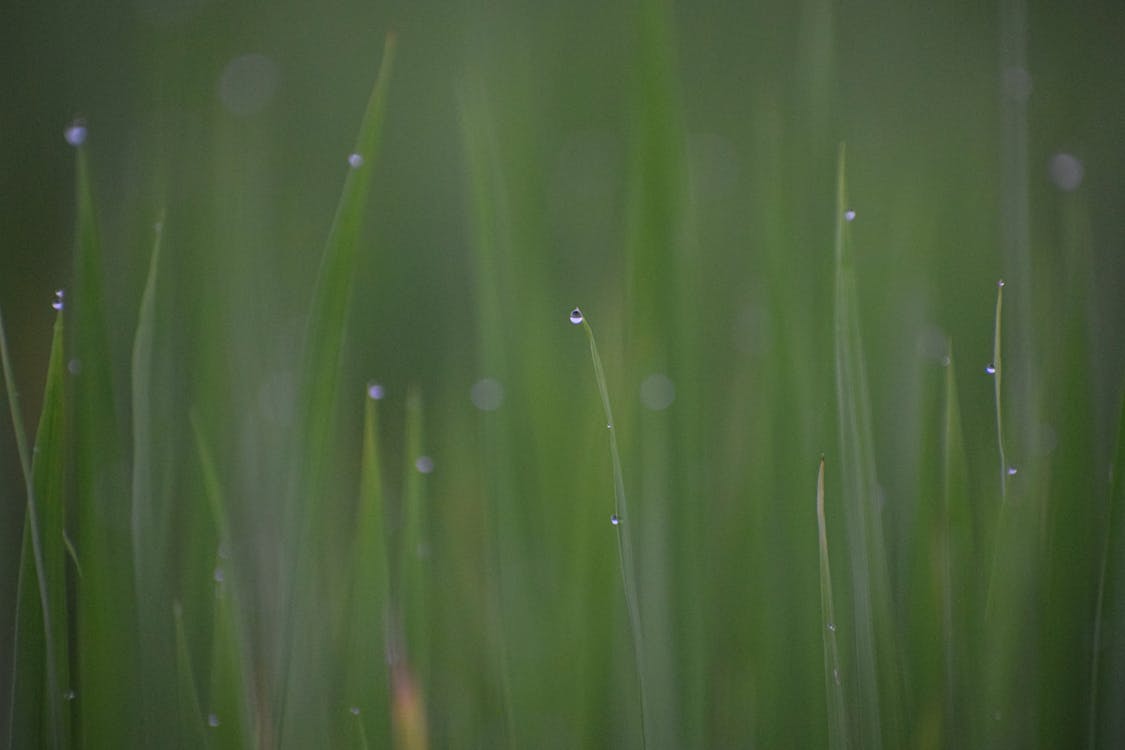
(671, 168)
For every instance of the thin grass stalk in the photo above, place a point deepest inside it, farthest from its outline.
(55, 696)
(837, 711)
(622, 520)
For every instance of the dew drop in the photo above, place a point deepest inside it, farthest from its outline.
(832, 626)
(849, 215)
(615, 519)
(374, 391)
(212, 720)
(1012, 471)
(70, 694)
(355, 161)
(1000, 283)
(990, 369)
(354, 710)
(946, 361)
(58, 303)
(75, 133)
(424, 464)
(576, 316)
(218, 575)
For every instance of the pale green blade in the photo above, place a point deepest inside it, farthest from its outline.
(838, 733)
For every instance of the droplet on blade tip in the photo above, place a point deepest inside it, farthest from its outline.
(990, 369)
(354, 710)
(615, 519)
(57, 304)
(576, 316)
(849, 215)
(374, 391)
(75, 133)
(355, 161)
(212, 720)
(424, 464)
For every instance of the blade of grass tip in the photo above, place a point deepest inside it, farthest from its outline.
(191, 730)
(958, 551)
(108, 679)
(622, 520)
(365, 667)
(324, 338)
(41, 638)
(878, 669)
(837, 712)
(1114, 665)
(149, 517)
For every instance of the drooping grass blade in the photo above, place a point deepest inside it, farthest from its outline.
(623, 521)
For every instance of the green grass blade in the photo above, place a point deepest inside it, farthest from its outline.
(837, 706)
(316, 399)
(150, 515)
(997, 370)
(413, 572)
(623, 521)
(40, 661)
(108, 684)
(365, 668)
(876, 665)
(230, 695)
(1107, 691)
(190, 728)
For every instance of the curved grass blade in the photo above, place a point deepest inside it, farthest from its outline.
(324, 339)
(623, 521)
(40, 662)
(877, 671)
(837, 711)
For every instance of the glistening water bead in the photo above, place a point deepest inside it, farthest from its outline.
(576, 316)
(615, 519)
(849, 215)
(990, 369)
(75, 133)
(355, 161)
(58, 303)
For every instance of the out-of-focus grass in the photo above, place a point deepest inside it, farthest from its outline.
(674, 169)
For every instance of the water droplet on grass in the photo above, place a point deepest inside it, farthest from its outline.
(374, 391)
(70, 694)
(849, 215)
(218, 575)
(576, 316)
(424, 464)
(75, 133)
(990, 368)
(832, 626)
(354, 710)
(355, 161)
(1000, 282)
(1012, 471)
(615, 519)
(58, 303)
(212, 720)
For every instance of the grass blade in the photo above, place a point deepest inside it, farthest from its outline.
(324, 340)
(837, 711)
(413, 568)
(40, 662)
(365, 669)
(108, 684)
(190, 719)
(875, 637)
(623, 521)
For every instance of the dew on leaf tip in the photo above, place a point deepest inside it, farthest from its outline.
(355, 161)
(576, 316)
(990, 369)
(615, 519)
